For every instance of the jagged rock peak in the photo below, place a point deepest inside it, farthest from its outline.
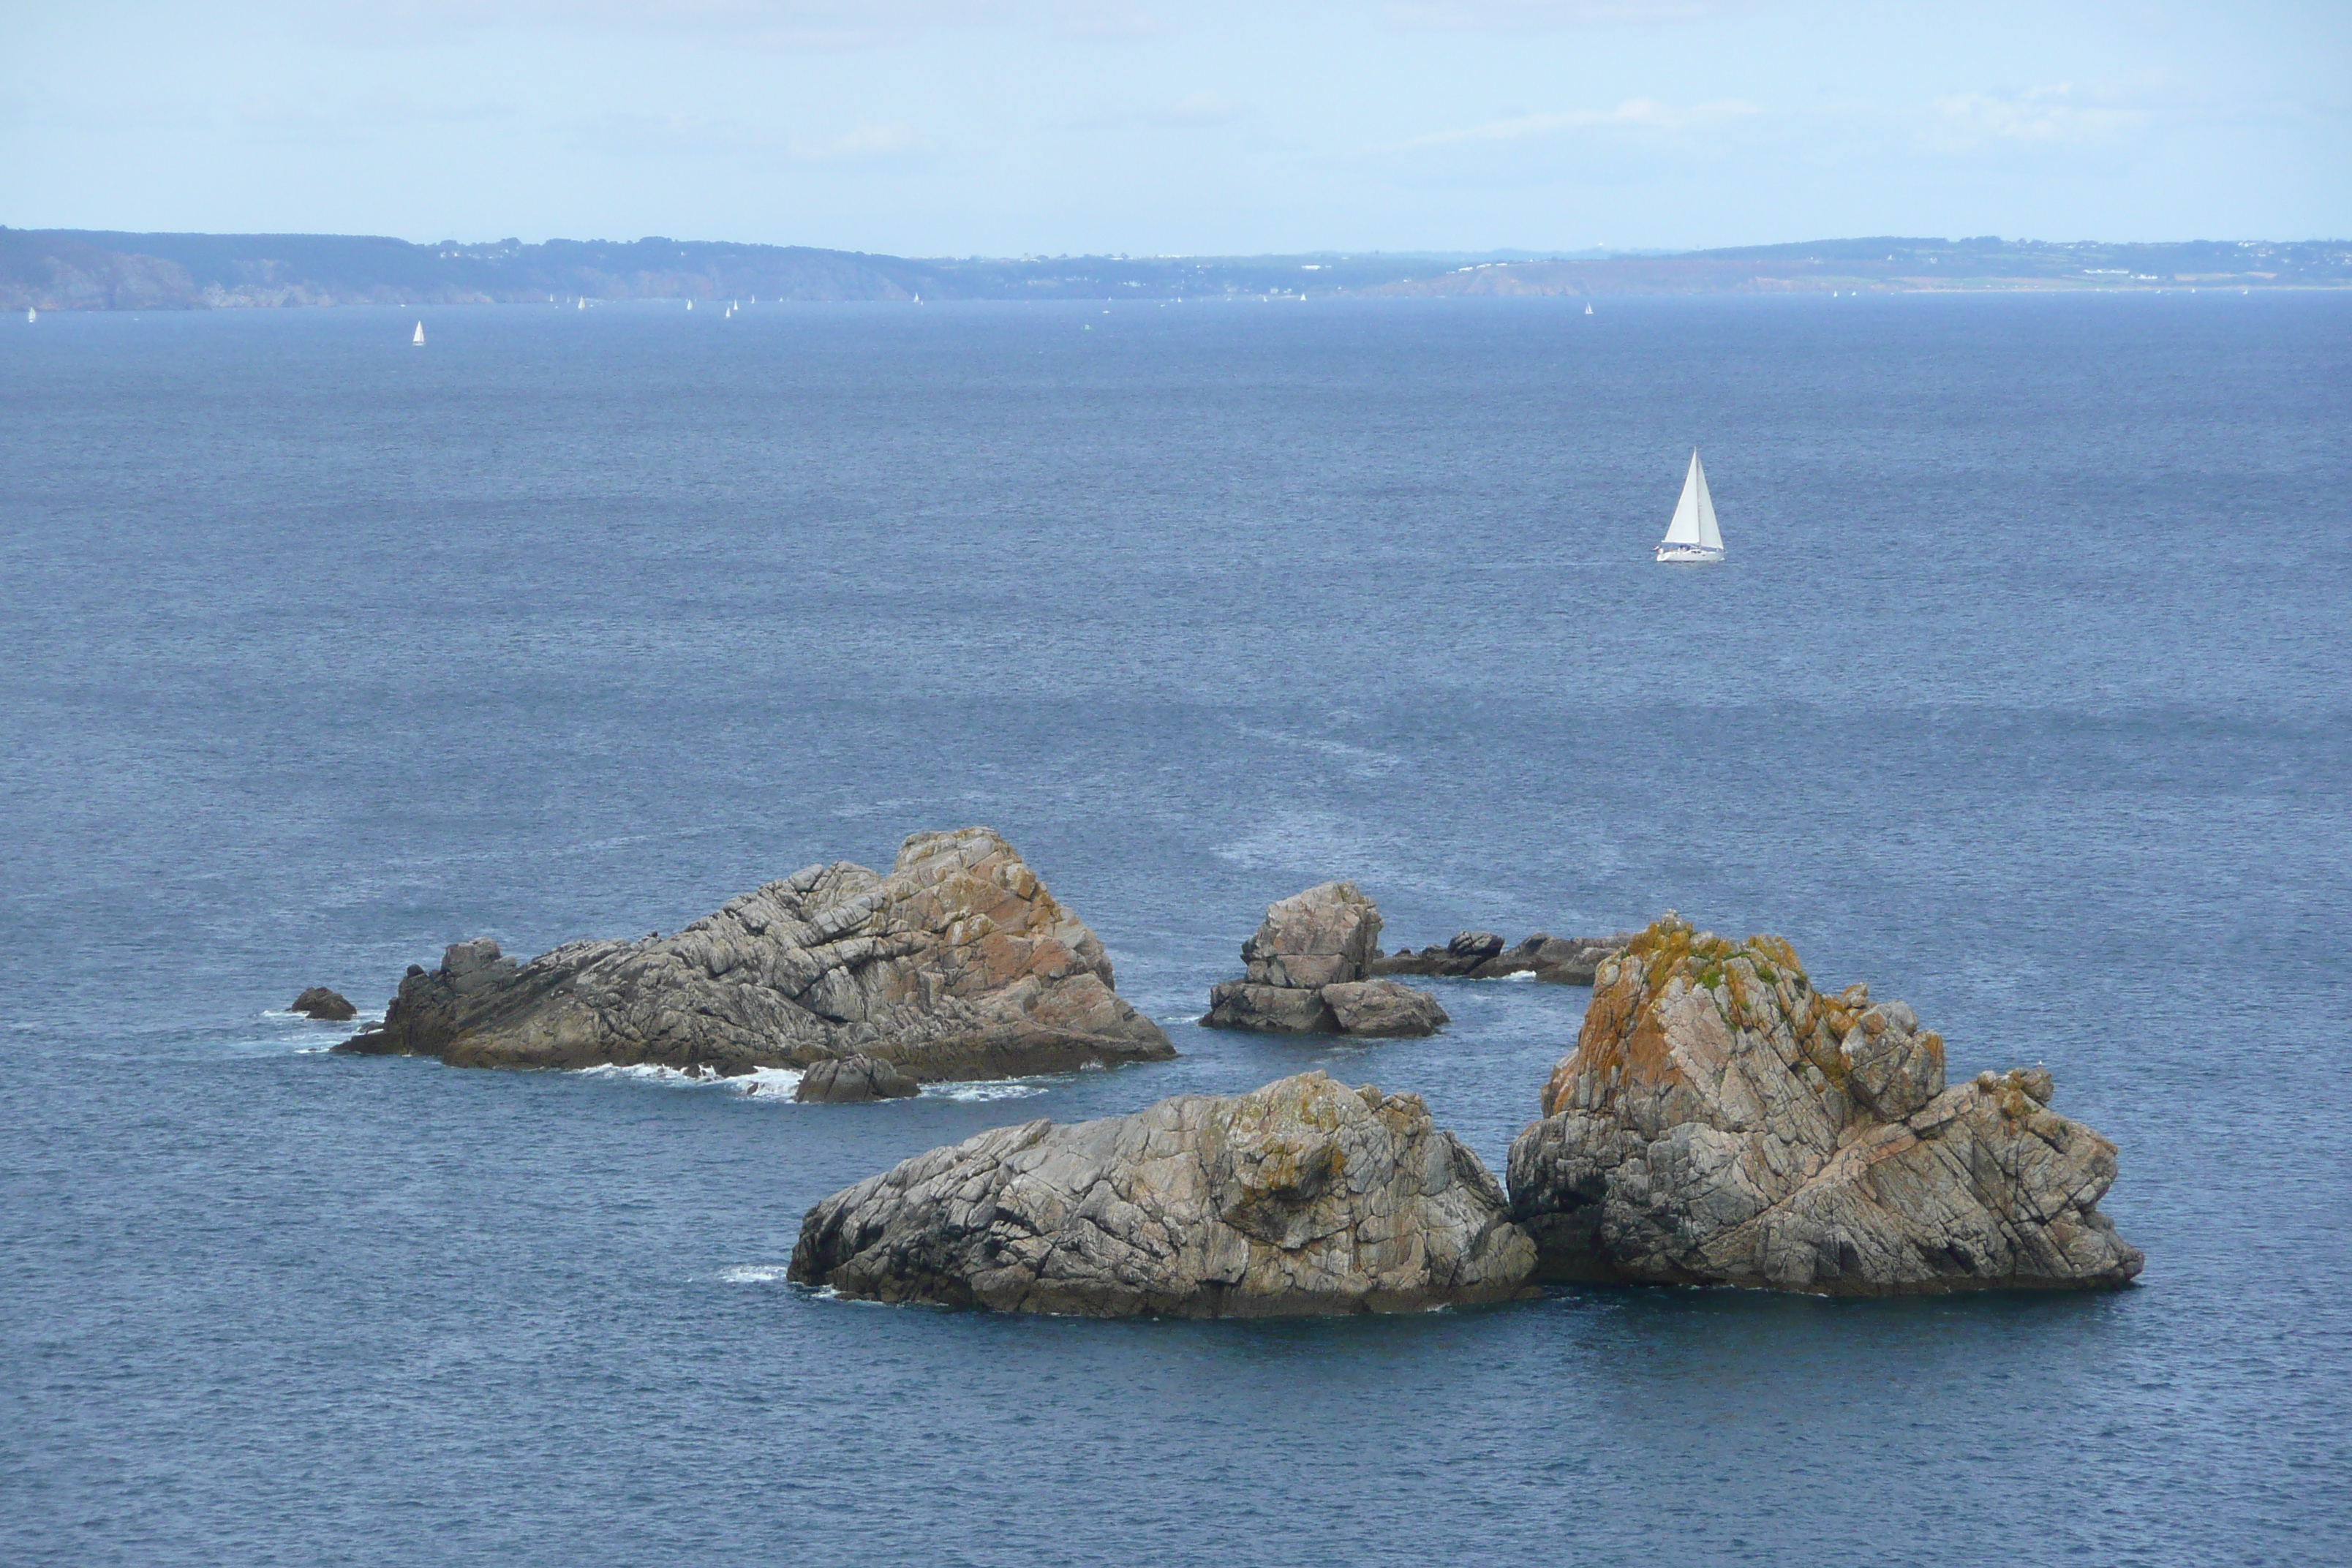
(1721, 1120)
(1301, 1197)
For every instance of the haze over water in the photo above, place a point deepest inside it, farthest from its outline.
(2023, 696)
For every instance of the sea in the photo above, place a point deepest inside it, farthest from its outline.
(2024, 694)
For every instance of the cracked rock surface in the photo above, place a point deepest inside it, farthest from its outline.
(957, 964)
(1301, 1197)
(1722, 1122)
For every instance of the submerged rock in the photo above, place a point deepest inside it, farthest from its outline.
(1307, 973)
(1480, 956)
(958, 965)
(1302, 1197)
(854, 1081)
(327, 1007)
(1722, 1122)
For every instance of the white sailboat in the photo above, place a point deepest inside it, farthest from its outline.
(419, 339)
(31, 314)
(1693, 536)
(1587, 309)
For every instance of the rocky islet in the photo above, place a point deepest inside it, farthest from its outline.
(1721, 1122)
(1304, 1197)
(1308, 972)
(324, 1005)
(959, 964)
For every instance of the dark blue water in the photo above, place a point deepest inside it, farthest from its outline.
(2026, 695)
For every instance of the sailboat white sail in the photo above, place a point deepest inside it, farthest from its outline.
(1693, 535)
(419, 339)
(31, 314)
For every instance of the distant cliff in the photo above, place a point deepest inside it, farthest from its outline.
(91, 270)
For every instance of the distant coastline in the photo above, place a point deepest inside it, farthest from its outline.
(91, 270)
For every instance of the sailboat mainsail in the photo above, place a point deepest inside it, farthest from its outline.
(1693, 534)
(419, 339)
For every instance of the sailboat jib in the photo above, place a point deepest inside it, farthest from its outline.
(1710, 536)
(1693, 535)
(419, 339)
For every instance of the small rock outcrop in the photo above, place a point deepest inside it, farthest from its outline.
(1302, 1197)
(327, 1007)
(958, 965)
(1481, 955)
(1722, 1122)
(855, 1080)
(1309, 973)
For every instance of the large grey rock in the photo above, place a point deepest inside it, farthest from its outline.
(1323, 936)
(1301, 1197)
(854, 1081)
(1270, 1009)
(1306, 967)
(1383, 1008)
(1722, 1122)
(958, 965)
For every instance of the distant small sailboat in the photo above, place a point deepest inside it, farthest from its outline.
(31, 314)
(583, 302)
(690, 304)
(1588, 309)
(419, 339)
(1692, 536)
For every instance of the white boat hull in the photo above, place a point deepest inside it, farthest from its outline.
(1688, 554)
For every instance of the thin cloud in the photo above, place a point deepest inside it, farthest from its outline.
(1192, 112)
(701, 136)
(2054, 115)
(1639, 113)
(863, 143)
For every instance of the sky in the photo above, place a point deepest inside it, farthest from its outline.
(1181, 127)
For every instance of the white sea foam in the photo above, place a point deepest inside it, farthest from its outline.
(827, 1293)
(350, 1026)
(293, 1034)
(763, 1083)
(1522, 975)
(753, 1274)
(1015, 1089)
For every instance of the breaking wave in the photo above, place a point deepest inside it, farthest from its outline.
(763, 1083)
(971, 1093)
